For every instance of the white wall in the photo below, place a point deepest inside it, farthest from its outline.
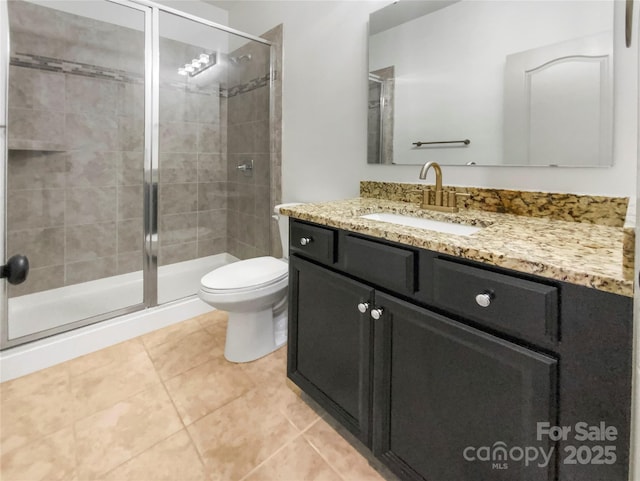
(325, 99)
(201, 9)
(635, 416)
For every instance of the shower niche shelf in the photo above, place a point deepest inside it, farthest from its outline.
(20, 144)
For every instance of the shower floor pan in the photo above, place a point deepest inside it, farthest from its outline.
(33, 313)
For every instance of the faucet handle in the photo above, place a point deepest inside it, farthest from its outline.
(452, 197)
(426, 195)
(454, 201)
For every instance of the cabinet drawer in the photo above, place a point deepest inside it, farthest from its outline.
(381, 264)
(521, 307)
(312, 241)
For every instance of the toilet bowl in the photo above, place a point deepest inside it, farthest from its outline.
(254, 293)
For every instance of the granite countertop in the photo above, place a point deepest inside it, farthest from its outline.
(579, 253)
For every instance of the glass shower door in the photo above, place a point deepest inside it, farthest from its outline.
(75, 160)
(214, 202)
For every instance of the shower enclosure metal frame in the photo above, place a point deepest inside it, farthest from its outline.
(151, 11)
(381, 106)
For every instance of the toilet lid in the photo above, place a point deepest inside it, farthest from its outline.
(247, 273)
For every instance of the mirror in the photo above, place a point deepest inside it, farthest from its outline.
(482, 82)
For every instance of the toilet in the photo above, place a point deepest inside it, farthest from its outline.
(254, 293)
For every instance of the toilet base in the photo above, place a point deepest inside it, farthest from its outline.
(250, 335)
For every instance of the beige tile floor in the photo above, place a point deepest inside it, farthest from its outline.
(168, 406)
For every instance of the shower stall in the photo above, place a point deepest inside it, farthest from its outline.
(136, 156)
(380, 116)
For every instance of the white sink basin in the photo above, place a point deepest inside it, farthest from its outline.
(445, 227)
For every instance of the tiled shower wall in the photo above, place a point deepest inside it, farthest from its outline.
(380, 117)
(76, 151)
(74, 213)
(275, 36)
(251, 137)
(373, 123)
(75, 140)
(192, 177)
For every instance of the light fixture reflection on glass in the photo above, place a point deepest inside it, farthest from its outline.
(198, 65)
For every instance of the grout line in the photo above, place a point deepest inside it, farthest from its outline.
(119, 191)
(175, 408)
(268, 458)
(164, 381)
(190, 368)
(75, 421)
(139, 454)
(357, 447)
(302, 431)
(308, 428)
(195, 447)
(65, 225)
(178, 339)
(218, 408)
(76, 458)
(155, 384)
(161, 383)
(322, 456)
(185, 426)
(253, 388)
(317, 450)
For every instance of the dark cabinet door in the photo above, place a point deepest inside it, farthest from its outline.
(451, 402)
(329, 354)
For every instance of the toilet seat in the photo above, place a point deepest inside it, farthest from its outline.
(254, 293)
(246, 275)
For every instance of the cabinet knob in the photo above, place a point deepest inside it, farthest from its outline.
(376, 313)
(363, 307)
(305, 241)
(484, 299)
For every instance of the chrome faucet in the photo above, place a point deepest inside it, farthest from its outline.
(443, 203)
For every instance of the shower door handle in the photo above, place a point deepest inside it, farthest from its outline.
(15, 270)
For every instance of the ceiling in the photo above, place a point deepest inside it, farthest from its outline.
(224, 4)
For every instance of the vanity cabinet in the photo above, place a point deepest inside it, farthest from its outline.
(442, 387)
(433, 380)
(330, 343)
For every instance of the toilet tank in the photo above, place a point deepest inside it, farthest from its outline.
(283, 224)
